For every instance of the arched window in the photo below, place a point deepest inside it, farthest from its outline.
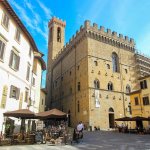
(128, 89)
(108, 66)
(58, 34)
(110, 86)
(96, 84)
(111, 109)
(115, 62)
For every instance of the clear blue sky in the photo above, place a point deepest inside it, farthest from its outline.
(128, 17)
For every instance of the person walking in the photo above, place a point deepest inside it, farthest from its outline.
(80, 128)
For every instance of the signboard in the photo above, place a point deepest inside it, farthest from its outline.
(97, 99)
(39, 125)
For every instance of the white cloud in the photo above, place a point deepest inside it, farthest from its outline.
(96, 9)
(36, 17)
(33, 24)
(23, 14)
(143, 41)
(46, 10)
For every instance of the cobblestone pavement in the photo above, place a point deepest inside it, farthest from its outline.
(99, 140)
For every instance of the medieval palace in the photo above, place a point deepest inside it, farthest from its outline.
(90, 76)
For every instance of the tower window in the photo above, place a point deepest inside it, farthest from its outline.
(96, 84)
(96, 64)
(128, 89)
(110, 86)
(78, 86)
(115, 62)
(108, 66)
(58, 34)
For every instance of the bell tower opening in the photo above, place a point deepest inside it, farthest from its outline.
(58, 34)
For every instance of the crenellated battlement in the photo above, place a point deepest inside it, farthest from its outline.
(108, 33)
(106, 36)
(57, 21)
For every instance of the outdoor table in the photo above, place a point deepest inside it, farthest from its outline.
(55, 135)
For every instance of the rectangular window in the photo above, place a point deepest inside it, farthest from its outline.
(14, 60)
(33, 81)
(143, 84)
(26, 98)
(136, 101)
(78, 86)
(28, 72)
(146, 100)
(2, 49)
(14, 92)
(5, 21)
(17, 35)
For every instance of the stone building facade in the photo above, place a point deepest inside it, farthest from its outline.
(89, 77)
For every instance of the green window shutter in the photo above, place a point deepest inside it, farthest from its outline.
(18, 93)
(11, 91)
(4, 97)
(2, 48)
(21, 99)
(11, 59)
(18, 62)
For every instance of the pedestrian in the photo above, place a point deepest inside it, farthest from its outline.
(80, 128)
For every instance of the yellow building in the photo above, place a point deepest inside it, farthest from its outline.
(140, 104)
(89, 77)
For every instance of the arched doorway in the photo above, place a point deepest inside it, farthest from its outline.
(111, 118)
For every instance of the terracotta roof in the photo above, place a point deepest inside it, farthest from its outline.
(20, 24)
(44, 90)
(42, 62)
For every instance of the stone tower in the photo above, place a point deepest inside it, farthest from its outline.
(56, 39)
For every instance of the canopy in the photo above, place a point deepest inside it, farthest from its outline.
(53, 113)
(124, 119)
(138, 118)
(21, 113)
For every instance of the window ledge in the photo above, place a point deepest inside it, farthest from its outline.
(17, 41)
(13, 69)
(7, 29)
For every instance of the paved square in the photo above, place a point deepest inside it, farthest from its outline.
(100, 140)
